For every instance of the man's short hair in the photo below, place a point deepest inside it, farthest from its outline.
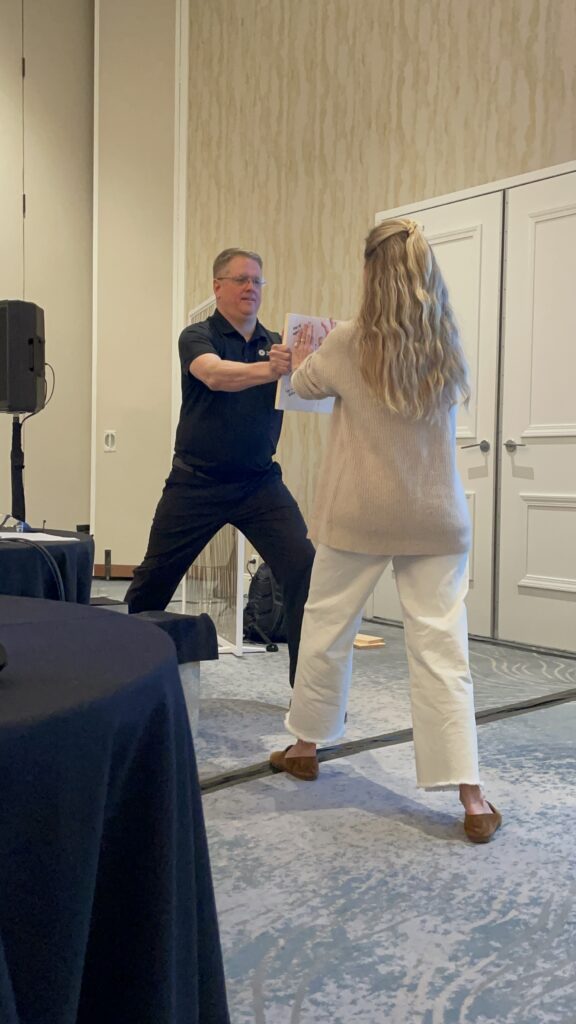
(224, 258)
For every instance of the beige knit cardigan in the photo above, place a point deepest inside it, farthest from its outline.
(387, 485)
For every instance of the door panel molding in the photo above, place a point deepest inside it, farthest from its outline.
(539, 371)
(547, 502)
(550, 430)
(543, 216)
(556, 583)
(470, 237)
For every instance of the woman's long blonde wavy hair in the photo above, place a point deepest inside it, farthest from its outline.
(409, 346)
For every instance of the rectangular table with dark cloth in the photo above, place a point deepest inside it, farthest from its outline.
(107, 911)
(29, 569)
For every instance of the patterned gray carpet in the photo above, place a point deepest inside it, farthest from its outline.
(358, 900)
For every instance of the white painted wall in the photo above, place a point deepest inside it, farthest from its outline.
(46, 258)
(135, 131)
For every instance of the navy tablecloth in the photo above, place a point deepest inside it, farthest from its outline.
(27, 569)
(107, 912)
(194, 636)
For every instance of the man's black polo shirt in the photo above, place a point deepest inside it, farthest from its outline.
(228, 435)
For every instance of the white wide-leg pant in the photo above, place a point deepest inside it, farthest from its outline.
(432, 590)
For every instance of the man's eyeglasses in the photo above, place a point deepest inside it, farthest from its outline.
(244, 279)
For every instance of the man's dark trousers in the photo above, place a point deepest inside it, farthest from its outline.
(191, 511)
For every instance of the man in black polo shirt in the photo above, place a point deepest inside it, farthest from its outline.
(222, 471)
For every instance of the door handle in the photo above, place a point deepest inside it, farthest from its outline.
(484, 446)
(511, 445)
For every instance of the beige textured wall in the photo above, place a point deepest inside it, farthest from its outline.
(309, 116)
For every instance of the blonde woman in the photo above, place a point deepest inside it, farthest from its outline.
(389, 490)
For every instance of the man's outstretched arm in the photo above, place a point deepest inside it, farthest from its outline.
(227, 375)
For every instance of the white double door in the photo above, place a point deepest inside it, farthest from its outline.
(466, 239)
(518, 325)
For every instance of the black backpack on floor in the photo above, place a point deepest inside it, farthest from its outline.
(264, 619)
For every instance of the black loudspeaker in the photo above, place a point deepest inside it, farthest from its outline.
(22, 368)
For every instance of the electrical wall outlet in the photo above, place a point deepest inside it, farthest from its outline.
(109, 440)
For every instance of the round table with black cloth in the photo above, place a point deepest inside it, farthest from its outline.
(26, 571)
(107, 911)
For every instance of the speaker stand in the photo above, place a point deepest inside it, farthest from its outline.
(17, 467)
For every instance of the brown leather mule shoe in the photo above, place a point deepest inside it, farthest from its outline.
(300, 767)
(481, 827)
